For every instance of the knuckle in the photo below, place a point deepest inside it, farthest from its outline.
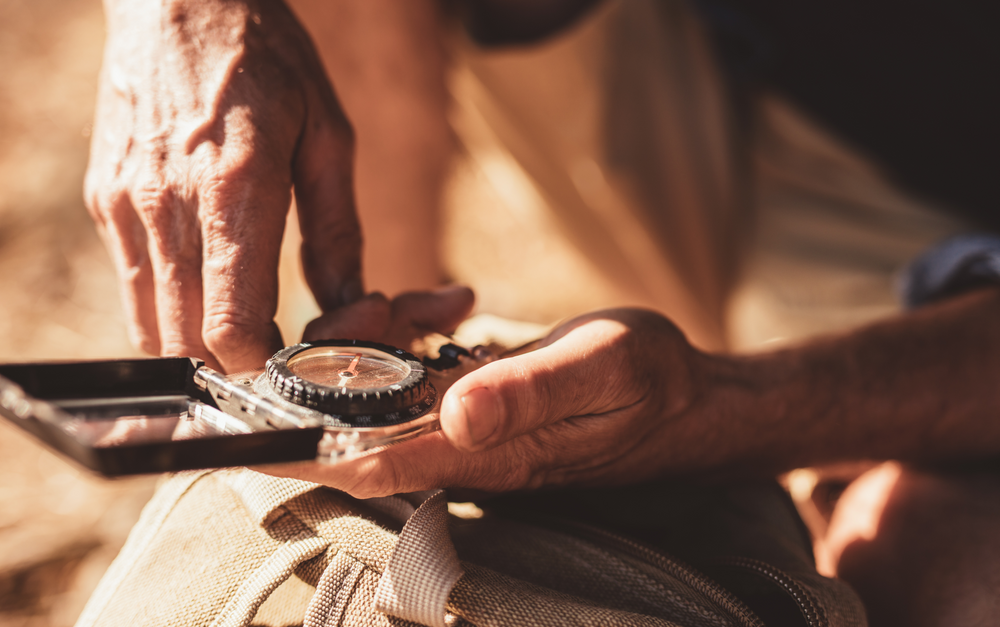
(240, 202)
(227, 333)
(214, 190)
(152, 195)
(240, 340)
(531, 394)
(221, 176)
(174, 342)
(618, 336)
(161, 210)
(247, 161)
(101, 199)
(157, 204)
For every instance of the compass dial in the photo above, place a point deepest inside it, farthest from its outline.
(350, 368)
(357, 382)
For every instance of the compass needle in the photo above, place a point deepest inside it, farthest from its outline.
(353, 368)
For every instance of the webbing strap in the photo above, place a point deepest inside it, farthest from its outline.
(302, 544)
(423, 569)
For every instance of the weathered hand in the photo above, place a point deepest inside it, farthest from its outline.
(600, 402)
(397, 322)
(208, 112)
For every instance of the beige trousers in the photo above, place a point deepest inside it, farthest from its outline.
(603, 169)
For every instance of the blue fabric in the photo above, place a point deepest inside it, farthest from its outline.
(952, 267)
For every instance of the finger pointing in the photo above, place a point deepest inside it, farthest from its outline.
(441, 310)
(324, 194)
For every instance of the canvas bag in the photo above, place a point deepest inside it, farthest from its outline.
(238, 548)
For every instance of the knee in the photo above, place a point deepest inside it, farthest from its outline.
(921, 548)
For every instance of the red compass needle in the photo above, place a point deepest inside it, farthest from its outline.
(353, 368)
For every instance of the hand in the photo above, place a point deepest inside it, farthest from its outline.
(208, 112)
(397, 322)
(608, 398)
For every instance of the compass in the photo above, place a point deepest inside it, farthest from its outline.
(354, 382)
(327, 401)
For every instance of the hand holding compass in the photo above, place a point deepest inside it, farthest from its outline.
(612, 397)
(595, 402)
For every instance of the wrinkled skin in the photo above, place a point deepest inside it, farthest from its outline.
(590, 405)
(619, 396)
(208, 112)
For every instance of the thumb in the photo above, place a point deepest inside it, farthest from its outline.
(441, 310)
(364, 319)
(514, 396)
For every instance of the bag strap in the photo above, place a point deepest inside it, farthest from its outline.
(424, 567)
(419, 575)
(421, 571)
(301, 544)
(262, 495)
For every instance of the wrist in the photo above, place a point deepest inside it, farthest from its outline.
(918, 387)
(750, 412)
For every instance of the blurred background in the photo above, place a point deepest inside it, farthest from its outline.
(600, 168)
(59, 526)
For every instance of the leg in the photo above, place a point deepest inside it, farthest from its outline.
(921, 548)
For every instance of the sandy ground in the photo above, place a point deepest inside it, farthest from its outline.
(59, 526)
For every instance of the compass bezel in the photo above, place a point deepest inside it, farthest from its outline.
(402, 401)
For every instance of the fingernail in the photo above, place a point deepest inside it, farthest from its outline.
(482, 414)
(352, 292)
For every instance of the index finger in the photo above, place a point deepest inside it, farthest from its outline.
(323, 169)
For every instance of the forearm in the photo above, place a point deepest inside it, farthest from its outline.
(921, 387)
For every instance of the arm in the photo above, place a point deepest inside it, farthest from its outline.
(208, 112)
(620, 396)
(920, 387)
